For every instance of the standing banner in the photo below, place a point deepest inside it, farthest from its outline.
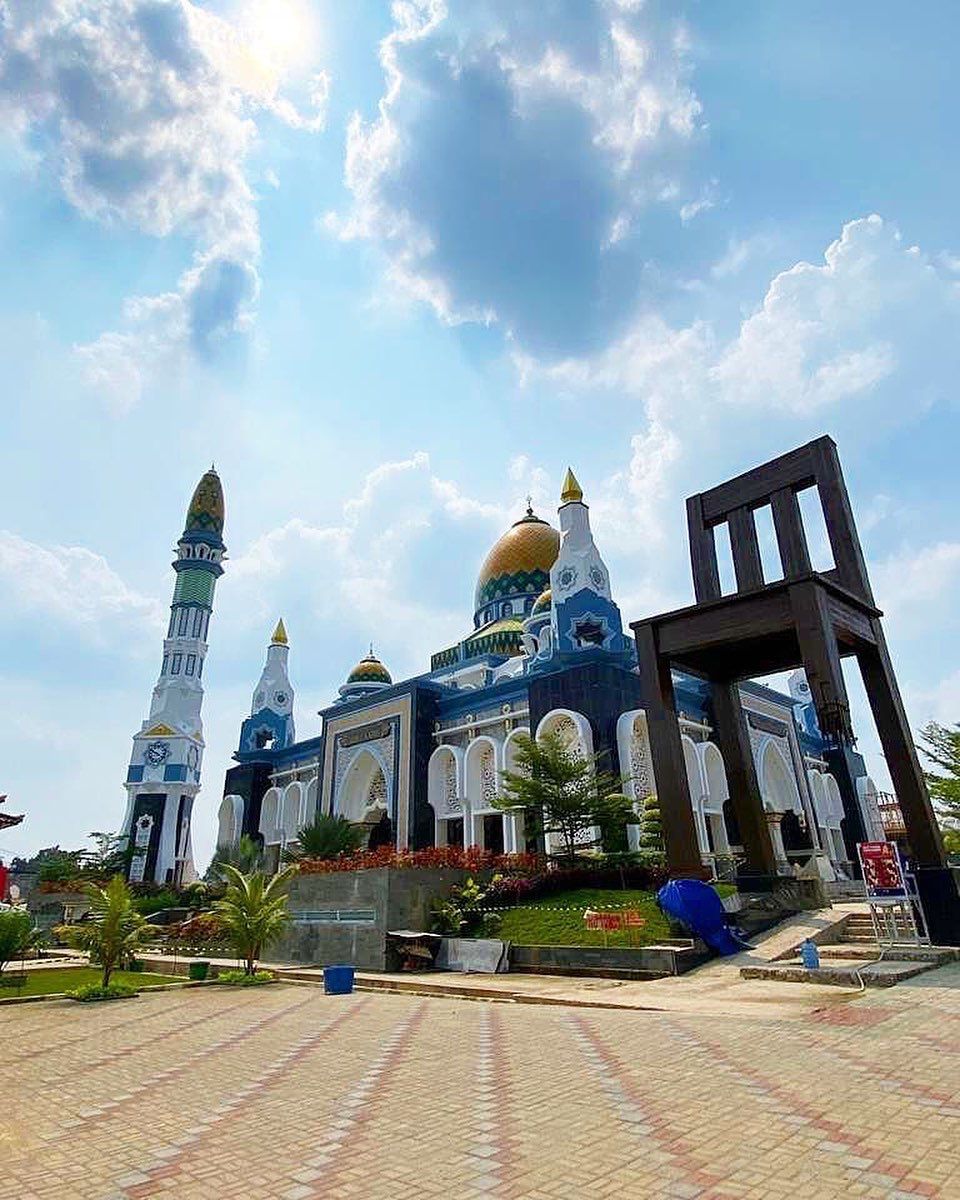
(882, 869)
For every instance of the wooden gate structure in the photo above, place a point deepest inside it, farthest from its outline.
(806, 618)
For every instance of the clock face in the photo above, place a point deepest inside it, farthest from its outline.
(281, 697)
(157, 753)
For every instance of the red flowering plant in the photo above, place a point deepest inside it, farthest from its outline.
(473, 858)
(203, 931)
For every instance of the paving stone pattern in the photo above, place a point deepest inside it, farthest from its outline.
(283, 1092)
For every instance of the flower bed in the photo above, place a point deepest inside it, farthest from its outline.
(471, 859)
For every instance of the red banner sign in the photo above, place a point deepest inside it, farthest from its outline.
(882, 869)
(624, 918)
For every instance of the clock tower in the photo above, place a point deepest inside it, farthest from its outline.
(164, 773)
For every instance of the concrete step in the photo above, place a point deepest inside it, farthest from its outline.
(841, 972)
(865, 950)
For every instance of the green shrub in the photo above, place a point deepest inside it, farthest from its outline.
(17, 934)
(245, 980)
(96, 991)
(327, 837)
(461, 914)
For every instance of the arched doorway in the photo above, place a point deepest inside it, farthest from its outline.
(363, 797)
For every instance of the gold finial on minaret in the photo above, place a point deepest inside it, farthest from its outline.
(572, 492)
(279, 635)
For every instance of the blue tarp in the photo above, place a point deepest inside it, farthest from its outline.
(701, 910)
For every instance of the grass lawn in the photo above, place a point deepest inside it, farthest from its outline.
(539, 923)
(535, 923)
(45, 982)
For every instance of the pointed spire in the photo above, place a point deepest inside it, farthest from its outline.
(572, 492)
(279, 635)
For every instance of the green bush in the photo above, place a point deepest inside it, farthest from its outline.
(17, 934)
(245, 980)
(96, 991)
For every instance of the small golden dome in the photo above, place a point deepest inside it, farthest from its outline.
(542, 604)
(369, 670)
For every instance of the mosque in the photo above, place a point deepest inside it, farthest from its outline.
(418, 762)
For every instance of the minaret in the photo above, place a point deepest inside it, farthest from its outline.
(164, 773)
(270, 724)
(584, 616)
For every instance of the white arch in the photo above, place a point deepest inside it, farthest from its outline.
(483, 755)
(778, 785)
(364, 788)
(290, 811)
(508, 760)
(513, 835)
(556, 720)
(309, 812)
(445, 782)
(717, 789)
(270, 817)
(698, 788)
(229, 821)
(867, 793)
(636, 761)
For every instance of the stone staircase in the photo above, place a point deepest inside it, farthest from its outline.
(850, 956)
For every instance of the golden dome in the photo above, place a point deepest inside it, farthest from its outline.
(369, 670)
(542, 604)
(520, 561)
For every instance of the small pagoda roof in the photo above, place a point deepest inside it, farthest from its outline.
(7, 820)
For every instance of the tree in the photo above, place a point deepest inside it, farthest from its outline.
(327, 837)
(113, 930)
(17, 934)
(253, 911)
(246, 855)
(109, 857)
(942, 747)
(562, 793)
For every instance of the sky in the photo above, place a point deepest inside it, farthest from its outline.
(394, 267)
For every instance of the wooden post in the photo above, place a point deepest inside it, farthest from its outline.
(821, 660)
(923, 833)
(742, 779)
(791, 539)
(703, 553)
(745, 549)
(669, 768)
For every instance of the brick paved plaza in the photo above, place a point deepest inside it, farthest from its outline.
(284, 1092)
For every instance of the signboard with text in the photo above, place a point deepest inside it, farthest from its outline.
(882, 869)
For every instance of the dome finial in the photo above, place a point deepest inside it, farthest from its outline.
(279, 635)
(529, 505)
(370, 651)
(572, 492)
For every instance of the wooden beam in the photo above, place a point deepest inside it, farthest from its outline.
(755, 487)
(742, 778)
(791, 539)
(838, 516)
(821, 659)
(746, 550)
(669, 768)
(703, 553)
(923, 833)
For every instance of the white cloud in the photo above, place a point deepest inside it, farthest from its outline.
(72, 585)
(146, 110)
(513, 152)
(917, 587)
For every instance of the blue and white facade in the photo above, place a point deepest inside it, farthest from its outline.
(420, 762)
(164, 773)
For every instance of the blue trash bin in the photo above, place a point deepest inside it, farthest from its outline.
(338, 981)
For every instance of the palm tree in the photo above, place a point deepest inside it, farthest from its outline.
(327, 837)
(253, 911)
(113, 930)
